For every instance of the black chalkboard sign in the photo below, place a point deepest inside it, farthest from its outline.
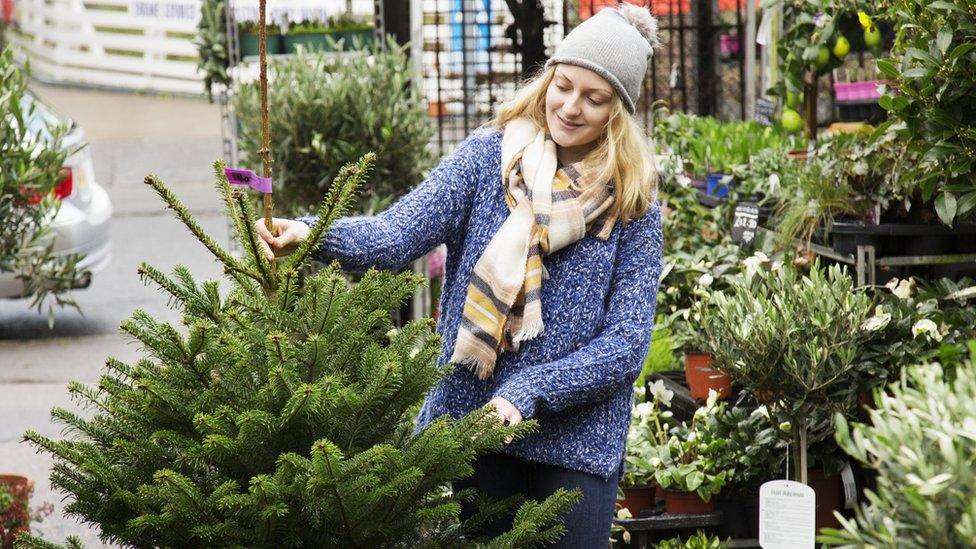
(764, 111)
(744, 223)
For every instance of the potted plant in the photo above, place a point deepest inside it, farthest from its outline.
(687, 285)
(247, 35)
(308, 35)
(649, 425)
(15, 516)
(795, 339)
(754, 453)
(921, 446)
(687, 464)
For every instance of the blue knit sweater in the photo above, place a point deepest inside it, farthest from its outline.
(597, 305)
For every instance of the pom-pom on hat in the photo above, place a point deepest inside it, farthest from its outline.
(616, 44)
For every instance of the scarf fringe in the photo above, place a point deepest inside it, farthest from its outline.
(482, 370)
(528, 331)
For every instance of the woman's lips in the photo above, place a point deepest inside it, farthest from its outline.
(566, 125)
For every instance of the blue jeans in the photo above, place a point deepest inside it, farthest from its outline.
(587, 524)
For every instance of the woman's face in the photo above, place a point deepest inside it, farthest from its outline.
(577, 107)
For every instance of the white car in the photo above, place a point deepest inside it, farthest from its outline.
(81, 225)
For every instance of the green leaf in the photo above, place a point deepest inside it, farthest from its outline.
(887, 68)
(966, 203)
(940, 4)
(944, 39)
(945, 206)
(958, 51)
(915, 72)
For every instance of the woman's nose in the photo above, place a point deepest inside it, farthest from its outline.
(571, 106)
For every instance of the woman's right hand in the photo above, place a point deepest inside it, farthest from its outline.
(285, 235)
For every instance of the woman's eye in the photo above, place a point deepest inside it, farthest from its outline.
(562, 88)
(594, 102)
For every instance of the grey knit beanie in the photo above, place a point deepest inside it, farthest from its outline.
(615, 43)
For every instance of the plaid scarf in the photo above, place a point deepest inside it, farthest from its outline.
(550, 208)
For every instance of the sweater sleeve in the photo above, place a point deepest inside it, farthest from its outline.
(613, 358)
(414, 224)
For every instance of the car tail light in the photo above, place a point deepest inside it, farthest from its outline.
(63, 189)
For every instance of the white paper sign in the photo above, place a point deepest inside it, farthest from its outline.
(787, 515)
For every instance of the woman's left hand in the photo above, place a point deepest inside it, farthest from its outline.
(507, 412)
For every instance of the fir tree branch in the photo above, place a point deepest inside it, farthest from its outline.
(336, 202)
(251, 238)
(325, 446)
(184, 215)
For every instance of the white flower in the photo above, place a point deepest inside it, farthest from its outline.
(655, 461)
(660, 393)
(712, 398)
(644, 410)
(927, 327)
(706, 279)
(762, 410)
(773, 183)
(876, 322)
(683, 180)
(753, 263)
(901, 288)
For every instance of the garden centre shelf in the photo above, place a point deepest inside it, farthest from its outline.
(865, 258)
(648, 529)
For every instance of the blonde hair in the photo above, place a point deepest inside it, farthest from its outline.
(623, 154)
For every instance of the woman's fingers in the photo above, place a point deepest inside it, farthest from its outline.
(267, 240)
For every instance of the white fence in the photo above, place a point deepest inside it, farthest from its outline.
(133, 44)
(130, 44)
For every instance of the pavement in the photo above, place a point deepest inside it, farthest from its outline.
(130, 135)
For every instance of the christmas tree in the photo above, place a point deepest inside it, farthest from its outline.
(280, 414)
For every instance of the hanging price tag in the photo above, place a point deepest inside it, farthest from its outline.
(744, 223)
(787, 515)
(237, 176)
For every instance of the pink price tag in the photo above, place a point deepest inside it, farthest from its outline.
(237, 176)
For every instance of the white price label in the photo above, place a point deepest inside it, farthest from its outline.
(787, 515)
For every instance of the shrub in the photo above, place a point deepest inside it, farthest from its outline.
(922, 443)
(325, 109)
(30, 167)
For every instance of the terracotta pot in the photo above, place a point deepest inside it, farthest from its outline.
(638, 498)
(687, 503)
(436, 109)
(702, 377)
(21, 488)
(830, 497)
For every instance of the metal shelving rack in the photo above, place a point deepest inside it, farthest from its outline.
(865, 259)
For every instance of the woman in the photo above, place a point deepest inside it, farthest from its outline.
(554, 254)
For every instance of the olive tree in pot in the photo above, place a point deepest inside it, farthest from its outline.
(922, 444)
(793, 340)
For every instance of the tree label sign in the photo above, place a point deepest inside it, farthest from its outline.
(787, 515)
(764, 111)
(744, 223)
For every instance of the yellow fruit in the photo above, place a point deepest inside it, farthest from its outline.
(791, 121)
(823, 57)
(841, 47)
(872, 37)
(793, 99)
